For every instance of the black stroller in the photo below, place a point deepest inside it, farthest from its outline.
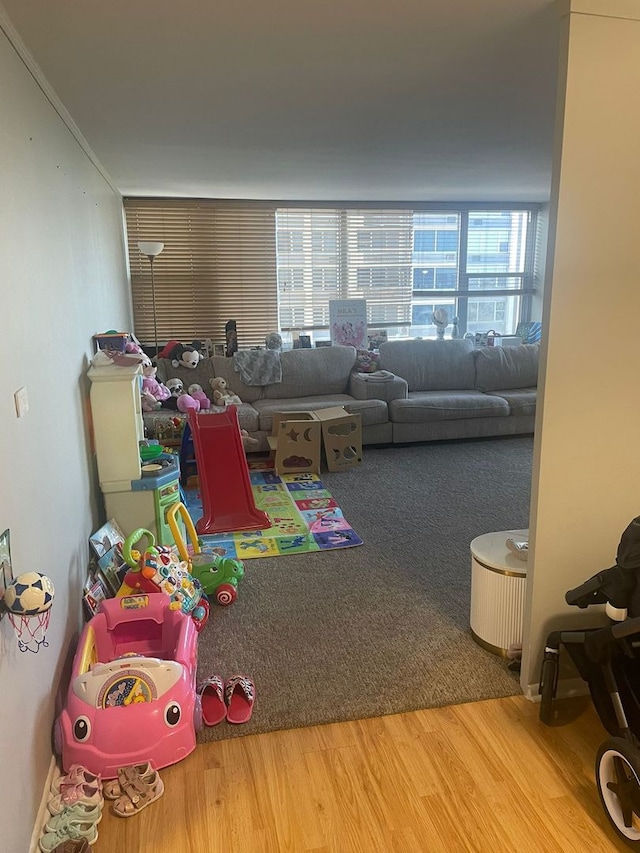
(608, 659)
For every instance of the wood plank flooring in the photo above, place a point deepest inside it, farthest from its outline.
(486, 777)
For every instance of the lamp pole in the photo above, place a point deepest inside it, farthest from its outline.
(153, 299)
(152, 249)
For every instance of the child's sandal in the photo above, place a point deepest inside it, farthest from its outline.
(113, 789)
(138, 793)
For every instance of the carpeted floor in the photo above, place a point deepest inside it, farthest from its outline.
(382, 628)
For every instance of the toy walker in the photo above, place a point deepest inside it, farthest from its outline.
(157, 570)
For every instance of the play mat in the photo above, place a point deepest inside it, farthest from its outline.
(304, 517)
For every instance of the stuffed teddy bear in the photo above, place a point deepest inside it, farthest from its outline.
(221, 395)
(179, 400)
(197, 393)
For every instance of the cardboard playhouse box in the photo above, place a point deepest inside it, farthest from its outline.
(297, 440)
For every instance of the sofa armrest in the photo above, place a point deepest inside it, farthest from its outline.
(381, 385)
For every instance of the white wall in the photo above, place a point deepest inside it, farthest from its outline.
(62, 278)
(587, 460)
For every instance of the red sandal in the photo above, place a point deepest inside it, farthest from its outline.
(240, 696)
(211, 692)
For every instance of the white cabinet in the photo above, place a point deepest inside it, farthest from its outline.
(117, 424)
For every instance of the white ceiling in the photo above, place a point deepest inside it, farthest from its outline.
(361, 100)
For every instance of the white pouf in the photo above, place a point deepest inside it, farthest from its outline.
(498, 585)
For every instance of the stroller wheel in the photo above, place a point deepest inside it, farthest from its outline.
(547, 689)
(618, 779)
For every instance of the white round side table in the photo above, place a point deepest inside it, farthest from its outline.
(498, 585)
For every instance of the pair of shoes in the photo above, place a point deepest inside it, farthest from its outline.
(77, 775)
(69, 829)
(113, 788)
(78, 813)
(232, 700)
(70, 794)
(137, 787)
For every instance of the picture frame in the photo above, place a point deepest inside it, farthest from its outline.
(95, 592)
(113, 568)
(219, 348)
(348, 322)
(376, 337)
(106, 537)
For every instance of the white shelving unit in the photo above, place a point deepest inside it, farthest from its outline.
(117, 424)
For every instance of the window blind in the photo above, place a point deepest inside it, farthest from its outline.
(326, 254)
(218, 264)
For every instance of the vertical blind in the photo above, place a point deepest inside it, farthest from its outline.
(328, 254)
(218, 264)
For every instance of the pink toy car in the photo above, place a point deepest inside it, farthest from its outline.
(132, 694)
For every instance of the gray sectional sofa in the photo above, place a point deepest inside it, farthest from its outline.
(456, 391)
(425, 390)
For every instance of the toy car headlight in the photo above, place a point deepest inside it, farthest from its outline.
(82, 729)
(172, 714)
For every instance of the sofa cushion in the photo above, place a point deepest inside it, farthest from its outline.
(431, 365)
(313, 372)
(522, 401)
(503, 368)
(371, 411)
(425, 406)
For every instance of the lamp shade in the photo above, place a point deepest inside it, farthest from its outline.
(150, 248)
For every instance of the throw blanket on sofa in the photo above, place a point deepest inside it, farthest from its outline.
(258, 366)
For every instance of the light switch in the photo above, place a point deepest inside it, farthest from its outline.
(22, 402)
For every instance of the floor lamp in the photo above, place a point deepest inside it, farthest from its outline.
(151, 250)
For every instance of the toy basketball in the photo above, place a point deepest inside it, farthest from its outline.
(28, 594)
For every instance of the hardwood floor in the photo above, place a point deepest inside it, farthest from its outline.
(484, 777)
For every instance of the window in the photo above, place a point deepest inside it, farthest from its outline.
(277, 268)
(341, 254)
(218, 264)
(396, 260)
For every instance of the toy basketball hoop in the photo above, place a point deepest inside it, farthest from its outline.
(31, 630)
(28, 600)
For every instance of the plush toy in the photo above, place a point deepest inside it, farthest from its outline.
(197, 393)
(367, 362)
(150, 384)
(133, 346)
(179, 400)
(273, 341)
(221, 395)
(181, 355)
(247, 440)
(149, 402)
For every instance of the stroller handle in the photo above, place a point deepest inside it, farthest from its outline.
(590, 592)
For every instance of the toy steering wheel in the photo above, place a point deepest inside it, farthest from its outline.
(131, 540)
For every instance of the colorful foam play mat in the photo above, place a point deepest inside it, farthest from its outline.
(303, 514)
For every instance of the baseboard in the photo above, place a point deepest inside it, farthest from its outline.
(568, 688)
(43, 811)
